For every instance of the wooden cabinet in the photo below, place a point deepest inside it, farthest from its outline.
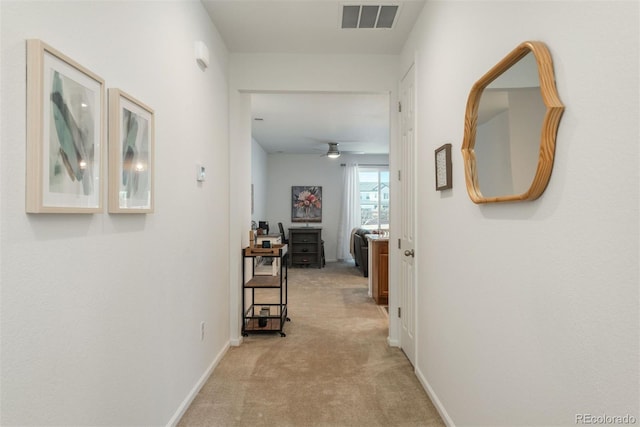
(379, 269)
(305, 246)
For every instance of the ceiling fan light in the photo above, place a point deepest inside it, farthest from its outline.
(333, 152)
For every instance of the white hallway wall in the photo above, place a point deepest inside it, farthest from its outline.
(259, 179)
(101, 313)
(529, 311)
(282, 73)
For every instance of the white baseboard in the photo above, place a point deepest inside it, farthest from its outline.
(196, 388)
(235, 342)
(434, 398)
(393, 342)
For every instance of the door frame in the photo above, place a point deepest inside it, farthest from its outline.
(397, 341)
(240, 212)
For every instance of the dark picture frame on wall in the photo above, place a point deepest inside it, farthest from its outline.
(306, 203)
(443, 167)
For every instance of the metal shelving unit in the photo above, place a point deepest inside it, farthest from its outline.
(264, 298)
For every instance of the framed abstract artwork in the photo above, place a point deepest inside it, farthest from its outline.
(443, 168)
(306, 204)
(65, 120)
(131, 154)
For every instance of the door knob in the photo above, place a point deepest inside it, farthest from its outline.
(409, 253)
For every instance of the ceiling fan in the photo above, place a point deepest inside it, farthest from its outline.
(334, 152)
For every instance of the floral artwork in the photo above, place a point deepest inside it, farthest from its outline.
(306, 204)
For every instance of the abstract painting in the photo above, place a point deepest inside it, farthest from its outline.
(306, 204)
(131, 152)
(64, 133)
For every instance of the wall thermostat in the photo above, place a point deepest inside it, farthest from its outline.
(200, 173)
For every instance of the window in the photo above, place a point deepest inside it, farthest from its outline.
(374, 198)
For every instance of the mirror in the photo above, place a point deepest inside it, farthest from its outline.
(511, 122)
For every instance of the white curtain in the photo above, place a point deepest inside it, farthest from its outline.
(350, 215)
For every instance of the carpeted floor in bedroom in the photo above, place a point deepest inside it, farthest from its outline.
(334, 367)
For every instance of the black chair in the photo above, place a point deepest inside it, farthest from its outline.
(283, 236)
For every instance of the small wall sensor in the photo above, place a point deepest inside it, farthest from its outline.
(200, 173)
(202, 53)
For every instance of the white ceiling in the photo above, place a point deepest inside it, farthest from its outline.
(304, 123)
(306, 26)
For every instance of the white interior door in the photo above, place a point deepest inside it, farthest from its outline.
(407, 306)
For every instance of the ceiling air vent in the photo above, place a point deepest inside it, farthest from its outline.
(368, 16)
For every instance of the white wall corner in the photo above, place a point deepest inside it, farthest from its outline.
(434, 399)
(392, 342)
(196, 388)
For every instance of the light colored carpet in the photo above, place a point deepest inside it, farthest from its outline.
(334, 367)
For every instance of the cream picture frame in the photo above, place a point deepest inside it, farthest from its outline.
(65, 128)
(131, 154)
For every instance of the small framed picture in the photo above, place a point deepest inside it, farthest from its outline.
(443, 168)
(131, 153)
(64, 133)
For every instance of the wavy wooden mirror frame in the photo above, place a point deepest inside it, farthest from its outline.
(554, 111)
